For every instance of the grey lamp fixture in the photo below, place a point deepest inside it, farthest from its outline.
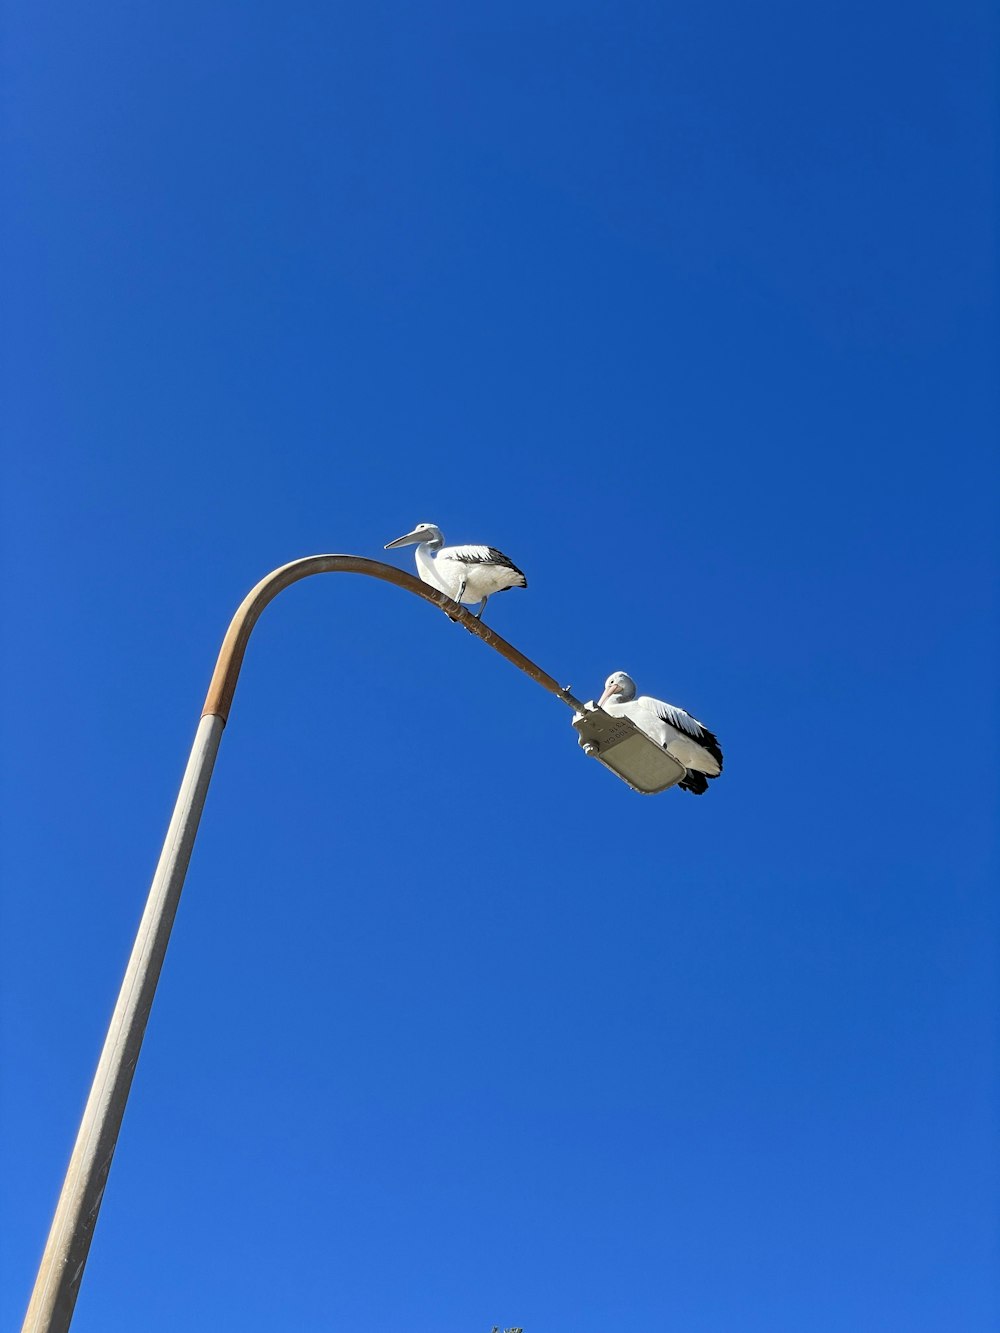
(635, 757)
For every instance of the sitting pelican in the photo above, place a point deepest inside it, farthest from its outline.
(680, 734)
(464, 573)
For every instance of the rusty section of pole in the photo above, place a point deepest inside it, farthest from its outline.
(227, 668)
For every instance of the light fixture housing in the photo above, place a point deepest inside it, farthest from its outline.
(621, 746)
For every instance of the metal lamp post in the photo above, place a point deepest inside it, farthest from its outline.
(61, 1270)
(616, 742)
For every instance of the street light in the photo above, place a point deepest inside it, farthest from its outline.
(621, 746)
(61, 1270)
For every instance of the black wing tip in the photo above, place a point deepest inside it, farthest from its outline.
(499, 558)
(694, 782)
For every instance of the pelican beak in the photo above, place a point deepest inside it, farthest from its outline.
(408, 539)
(609, 690)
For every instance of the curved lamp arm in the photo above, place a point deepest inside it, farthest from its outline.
(61, 1270)
(227, 669)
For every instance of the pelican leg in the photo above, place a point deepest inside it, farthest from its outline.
(457, 597)
(482, 608)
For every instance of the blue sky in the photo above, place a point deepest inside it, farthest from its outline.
(691, 310)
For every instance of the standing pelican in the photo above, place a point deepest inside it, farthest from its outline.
(680, 734)
(464, 573)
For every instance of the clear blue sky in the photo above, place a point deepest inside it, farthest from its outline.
(688, 308)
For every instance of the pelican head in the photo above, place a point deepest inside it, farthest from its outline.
(619, 687)
(423, 532)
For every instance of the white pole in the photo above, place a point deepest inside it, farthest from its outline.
(58, 1281)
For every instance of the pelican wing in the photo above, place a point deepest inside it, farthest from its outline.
(480, 555)
(681, 721)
